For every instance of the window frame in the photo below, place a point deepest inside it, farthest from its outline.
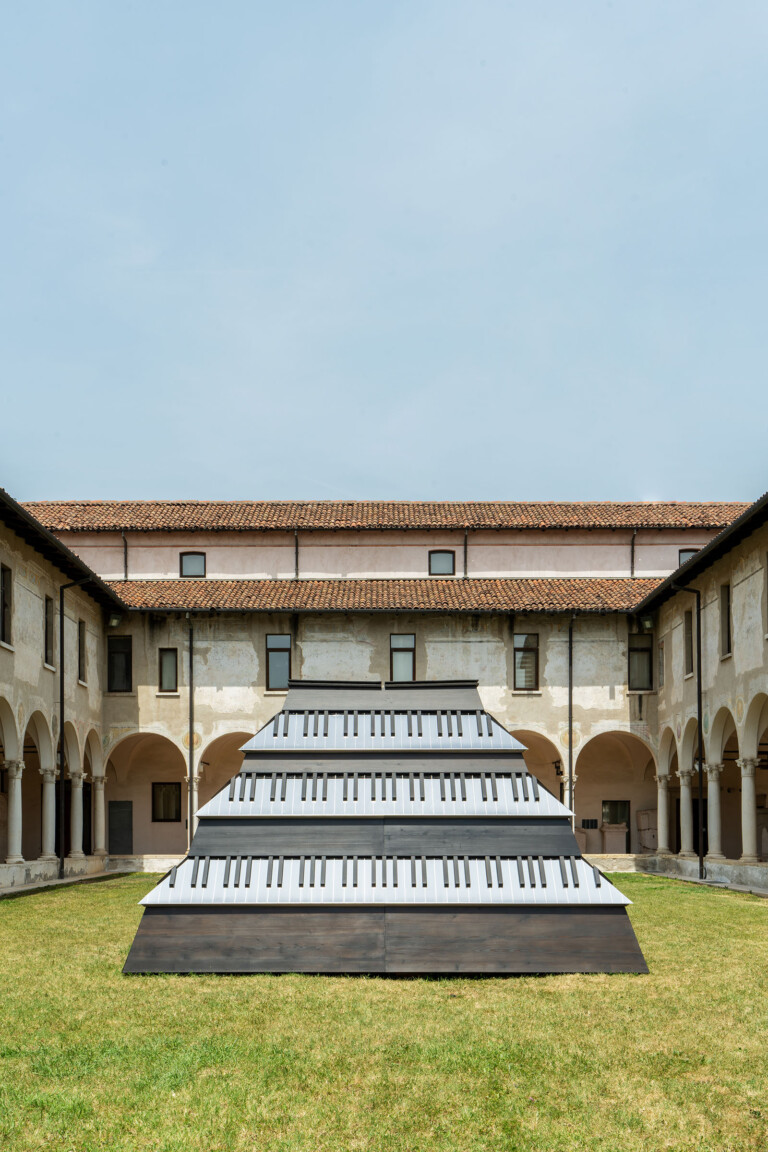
(110, 641)
(442, 552)
(82, 655)
(402, 648)
(726, 620)
(176, 785)
(196, 575)
(6, 604)
(278, 648)
(691, 553)
(49, 652)
(646, 647)
(688, 644)
(160, 687)
(536, 663)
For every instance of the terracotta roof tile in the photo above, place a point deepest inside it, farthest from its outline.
(285, 515)
(424, 595)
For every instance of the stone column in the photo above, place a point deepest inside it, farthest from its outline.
(748, 811)
(195, 803)
(686, 812)
(76, 816)
(714, 823)
(662, 815)
(49, 813)
(99, 821)
(15, 769)
(568, 796)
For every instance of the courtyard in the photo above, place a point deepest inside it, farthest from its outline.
(93, 1060)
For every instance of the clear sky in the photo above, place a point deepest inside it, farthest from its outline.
(366, 249)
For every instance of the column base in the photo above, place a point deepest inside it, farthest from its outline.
(688, 855)
(715, 856)
(749, 859)
(14, 860)
(48, 857)
(76, 856)
(100, 853)
(663, 852)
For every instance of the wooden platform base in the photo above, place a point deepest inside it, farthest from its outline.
(391, 940)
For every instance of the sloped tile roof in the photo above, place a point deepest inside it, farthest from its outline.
(542, 594)
(285, 515)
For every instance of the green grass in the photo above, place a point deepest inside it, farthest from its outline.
(93, 1060)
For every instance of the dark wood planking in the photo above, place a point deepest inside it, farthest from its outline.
(393, 836)
(412, 941)
(280, 940)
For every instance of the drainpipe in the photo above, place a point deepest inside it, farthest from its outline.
(191, 762)
(570, 720)
(632, 553)
(60, 814)
(695, 592)
(295, 553)
(466, 552)
(125, 555)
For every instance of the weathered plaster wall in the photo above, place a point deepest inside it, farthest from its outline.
(262, 555)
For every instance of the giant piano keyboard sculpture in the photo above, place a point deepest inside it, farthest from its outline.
(384, 829)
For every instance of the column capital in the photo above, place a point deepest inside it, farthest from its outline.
(685, 775)
(77, 778)
(748, 765)
(49, 774)
(98, 782)
(713, 770)
(14, 768)
(662, 782)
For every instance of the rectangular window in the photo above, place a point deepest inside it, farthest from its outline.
(661, 663)
(278, 662)
(725, 620)
(685, 554)
(402, 656)
(169, 670)
(6, 603)
(526, 649)
(48, 638)
(442, 563)
(119, 664)
(166, 803)
(192, 563)
(640, 673)
(82, 671)
(688, 642)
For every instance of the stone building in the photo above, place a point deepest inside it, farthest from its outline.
(202, 610)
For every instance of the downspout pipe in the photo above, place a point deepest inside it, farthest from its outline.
(295, 553)
(466, 553)
(632, 553)
(570, 720)
(699, 710)
(191, 760)
(60, 806)
(125, 554)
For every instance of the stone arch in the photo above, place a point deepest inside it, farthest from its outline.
(755, 726)
(94, 752)
(9, 737)
(135, 764)
(689, 744)
(721, 732)
(616, 769)
(38, 754)
(541, 756)
(219, 761)
(667, 752)
(73, 753)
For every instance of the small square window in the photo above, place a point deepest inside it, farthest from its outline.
(169, 670)
(166, 803)
(442, 563)
(278, 662)
(192, 564)
(526, 647)
(686, 554)
(402, 656)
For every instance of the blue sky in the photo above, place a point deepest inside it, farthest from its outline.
(408, 250)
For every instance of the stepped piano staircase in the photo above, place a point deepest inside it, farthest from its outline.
(384, 828)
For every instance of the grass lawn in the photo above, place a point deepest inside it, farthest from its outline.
(93, 1060)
